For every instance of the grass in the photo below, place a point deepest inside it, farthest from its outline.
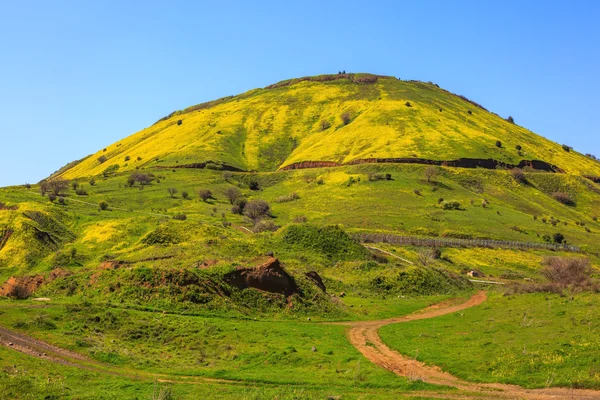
(533, 340)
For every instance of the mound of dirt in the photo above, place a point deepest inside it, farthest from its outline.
(313, 276)
(21, 287)
(269, 277)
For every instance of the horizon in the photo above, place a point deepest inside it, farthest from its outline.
(83, 76)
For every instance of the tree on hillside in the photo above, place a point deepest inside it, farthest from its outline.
(257, 209)
(232, 193)
(430, 173)
(204, 194)
(325, 125)
(172, 192)
(346, 118)
(57, 186)
(510, 119)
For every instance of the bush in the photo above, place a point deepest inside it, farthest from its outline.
(172, 192)
(558, 238)
(232, 194)
(324, 125)
(452, 205)
(180, 217)
(430, 173)
(92, 181)
(204, 194)
(566, 148)
(566, 271)
(417, 192)
(127, 158)
(103, 205)
(346, 118)
(238, 207)
(253, 184)
(300, 219)
(257, 209)
(518, 147)
(264, 226)
(61, 201)
(227, 175)
(102, 159)
(110, 170)
(388, 177)
(498, 143)
(74, 185)
(375, 176)
(564, 198)
(179, 122)
(518, 175)
(57, 186)
(510, 119)
(81, 192)
(185, 195)
(407, 104)
(286, 198)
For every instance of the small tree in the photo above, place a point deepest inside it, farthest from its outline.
(558, 238)
(407, 104)
(346, 118)
(57, 186)
(92, 182)
(566, 148)
(518, 147)
(102, 159)
(232, 193)
(498, 143)
(518, 175)
(185, 195)
(564, 198)
(51, 197)
(103, 205)
(204, 194)
(74, 185)
(430, 173)
(257, 209)
(44, 187)
(510, 119)
(325, 125)
(127, 158)
(172, 192)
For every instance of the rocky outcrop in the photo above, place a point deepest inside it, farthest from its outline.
(317, 280)
(269, 277)
(21, 287)
(459, 163)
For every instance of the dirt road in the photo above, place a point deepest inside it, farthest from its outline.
(363, 335)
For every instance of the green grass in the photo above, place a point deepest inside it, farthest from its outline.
(531, 340)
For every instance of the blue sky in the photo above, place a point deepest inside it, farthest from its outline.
(76, 76)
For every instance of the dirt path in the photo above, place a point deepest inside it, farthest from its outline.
(363, 335)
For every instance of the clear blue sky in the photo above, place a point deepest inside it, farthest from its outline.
(76, 76)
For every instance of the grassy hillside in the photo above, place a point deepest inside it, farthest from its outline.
(339, 118)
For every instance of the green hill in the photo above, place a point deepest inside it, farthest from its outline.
(334, 118)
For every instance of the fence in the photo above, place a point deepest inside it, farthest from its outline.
(452, 242)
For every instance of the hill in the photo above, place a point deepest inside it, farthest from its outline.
(337, 119)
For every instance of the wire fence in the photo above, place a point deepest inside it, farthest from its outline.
(453, 242)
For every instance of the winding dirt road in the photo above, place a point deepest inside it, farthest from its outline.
(363, 335)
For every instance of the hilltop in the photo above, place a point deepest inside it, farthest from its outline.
(332, 120)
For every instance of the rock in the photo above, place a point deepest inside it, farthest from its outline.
(269, 277)
(313, 276)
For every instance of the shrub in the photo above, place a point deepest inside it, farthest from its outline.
(139, 158)
(180, 217)
(92, 181)
(518, 175)
(288, 197)
(518, 147)
(185, 195)
(566, 148)
(566, 271)
(253, 184)
(28, 185)
(232, 194)
(264, 226)
(51, 197)
(558, 238)
(417, 192)
(498, 143)
(103, 205)
(127, 158)
(388, 177)
(346, 118)
(375, 176)
(179, 122)
(320, 181)
(238, 207)
(172, 192)
(451, 205)
(143, 179)
(102, 159)
(300, 219)
(61, 201)
(57, 186)
(257, 209)
(440, 200)
(564, 198)
(510, 119)
(407, 104)
(470, 112)
(324, 125)
(204, 194)
(74, 185)
(81, 192)
(227, 175)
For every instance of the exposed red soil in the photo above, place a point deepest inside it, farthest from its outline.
(7, 207)
(22, 287)
(269, 277)
(363, 335)
(460, 163)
